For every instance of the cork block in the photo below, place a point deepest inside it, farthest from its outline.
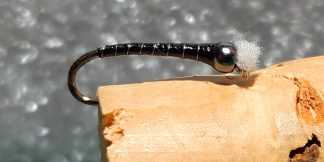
(277, 114)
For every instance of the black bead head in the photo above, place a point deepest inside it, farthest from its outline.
(225, 55)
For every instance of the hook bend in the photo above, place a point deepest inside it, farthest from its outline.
(72, 78)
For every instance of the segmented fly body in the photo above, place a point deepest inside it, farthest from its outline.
(219, 55)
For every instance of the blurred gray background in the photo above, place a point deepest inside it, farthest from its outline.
(39, 40)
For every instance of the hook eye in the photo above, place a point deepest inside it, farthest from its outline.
(243, 73)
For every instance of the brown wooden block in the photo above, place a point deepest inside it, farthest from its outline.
(275, 115)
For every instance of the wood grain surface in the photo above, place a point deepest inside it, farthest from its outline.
(275, 115)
